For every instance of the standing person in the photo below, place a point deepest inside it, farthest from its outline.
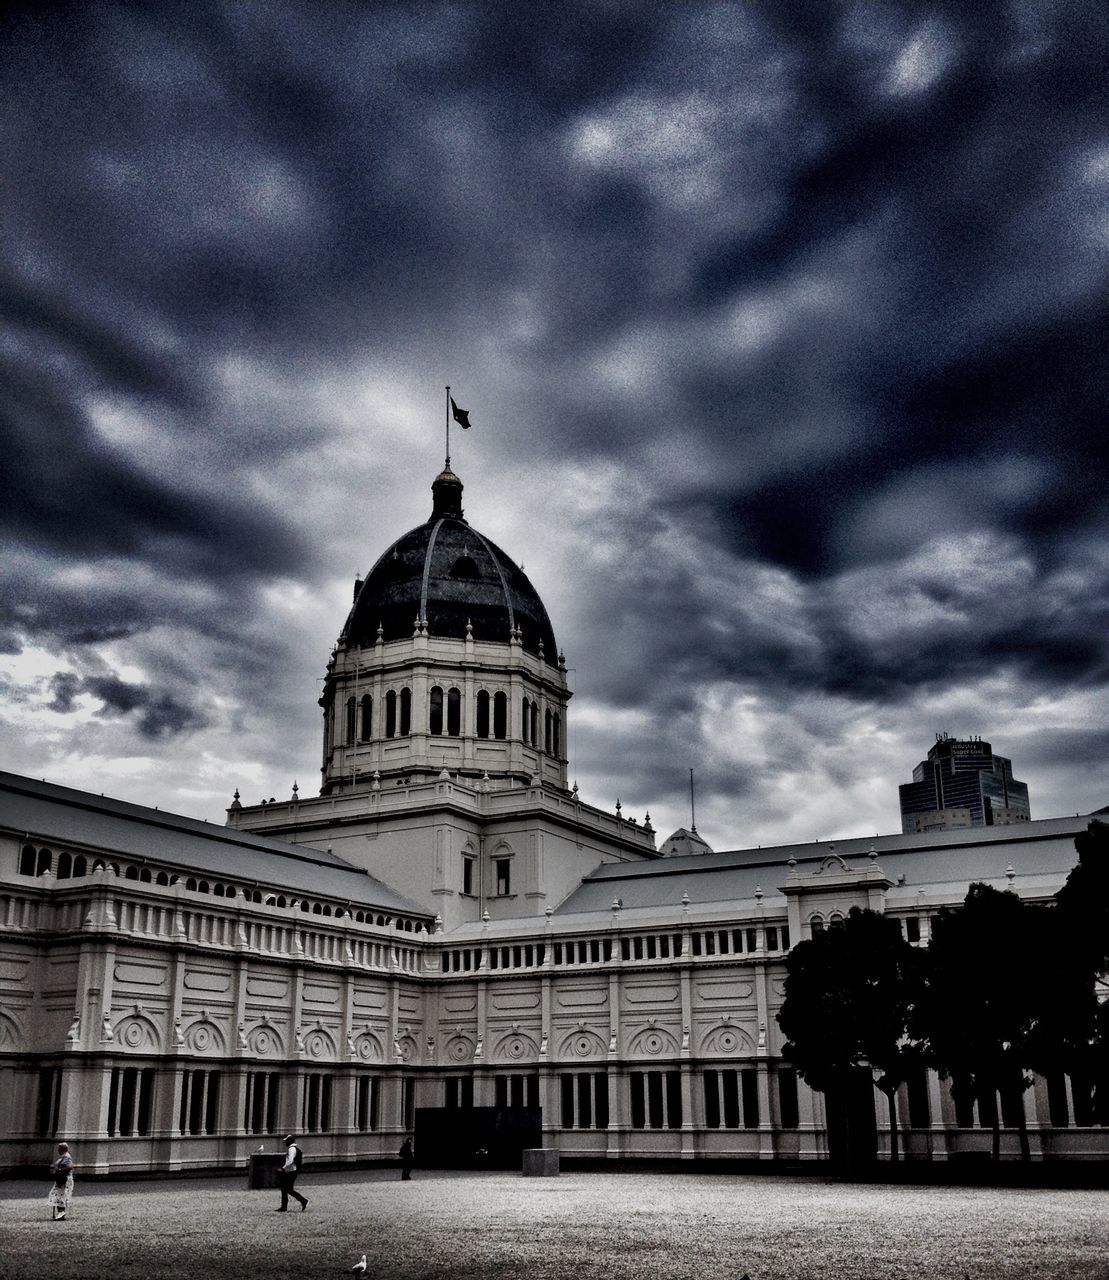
(287, 1176)
(62, 1191)
(405, 1154)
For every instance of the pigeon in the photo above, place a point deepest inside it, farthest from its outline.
(359, 1267)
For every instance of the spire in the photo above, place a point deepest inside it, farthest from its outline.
(446, 493)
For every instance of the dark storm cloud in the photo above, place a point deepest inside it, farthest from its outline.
(828, 283)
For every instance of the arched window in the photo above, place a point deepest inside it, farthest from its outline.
(145, 876)
(525, 719)
(556, 735)
(464, 567)
(391, 714)
(190, 883)
(483, 713)
(435, 713)
(835, 920)
(45, 860)
(352, 715)
(500, 715)
(454, 712)
(534, 739)
(27, 859)
(65, 865)
(367, 717)
(204, 887)
(80, 866)
(816, 924)
(405, 712)
(548, 740)
(161, 878)
(132, 873)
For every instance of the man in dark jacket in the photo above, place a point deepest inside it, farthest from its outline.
(406, 1160)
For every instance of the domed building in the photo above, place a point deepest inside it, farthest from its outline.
(447, 660)
(448, 941)
(444, 731)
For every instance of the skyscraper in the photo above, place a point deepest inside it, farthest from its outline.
(962, 784)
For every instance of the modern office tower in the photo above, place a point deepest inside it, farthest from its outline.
(962, 784)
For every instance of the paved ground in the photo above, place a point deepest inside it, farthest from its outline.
(581, 1225)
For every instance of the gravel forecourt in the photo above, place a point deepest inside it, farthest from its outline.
(610, 1226)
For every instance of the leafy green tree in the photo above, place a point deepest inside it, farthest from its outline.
(848, 997)
(984, 996)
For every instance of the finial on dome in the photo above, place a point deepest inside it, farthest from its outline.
(236, 803)
(296, 790)
(446, 493)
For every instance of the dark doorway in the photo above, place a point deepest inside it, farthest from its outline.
(852, 1128)
(476, 1137)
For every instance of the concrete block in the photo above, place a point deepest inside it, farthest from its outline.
(540, 1162)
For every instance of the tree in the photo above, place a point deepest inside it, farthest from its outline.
(1073, 1035)
(848, 996)
(983, 999)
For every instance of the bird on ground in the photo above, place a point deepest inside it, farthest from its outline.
(359, 1267)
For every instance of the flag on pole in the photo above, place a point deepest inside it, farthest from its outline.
(461, 416)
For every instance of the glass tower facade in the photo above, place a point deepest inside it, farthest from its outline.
(962, 784)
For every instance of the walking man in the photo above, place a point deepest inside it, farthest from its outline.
(405, 1154)
(287, 1176)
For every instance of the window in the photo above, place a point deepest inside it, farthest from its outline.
(49, 1100)
(817, 925)
(408, 1101)
(787, 1097)
(920, 1116)
(405, 712)
(454, 713)
(502, 870)
(534, 725)
(352, 710)
(391, 714)
(467, 875)
(548, 737)
(525, 719)
(556, 735)
(458, 1093)
(130, 1096)
(483, 713)
(366, 1104)
(584, 1098)
(500, 715)
(656, 1099)
(731, 1099)
(912, 929)
(317, 1103)
(263, 1094)
(435, 712)
(27, 860)
(199, 1110)
(518, 1090)
(367, 728)
(464, 567)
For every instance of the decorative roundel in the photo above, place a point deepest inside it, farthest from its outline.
(367, 1050)
(727, 1041)
(653, 1043)
(583, 1046)
(201, 1038)
(408, 1050)
(459, 1050)
(263, 1041)
(317, 1045)
(516, 1048)
(134, 1035)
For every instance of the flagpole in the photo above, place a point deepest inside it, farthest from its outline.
(448, 408)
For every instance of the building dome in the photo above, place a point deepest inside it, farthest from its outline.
(450, 576)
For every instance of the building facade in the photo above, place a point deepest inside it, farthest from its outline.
(446, 926)
(962, 784)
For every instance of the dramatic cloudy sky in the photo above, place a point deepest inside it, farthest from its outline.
(782, 327)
